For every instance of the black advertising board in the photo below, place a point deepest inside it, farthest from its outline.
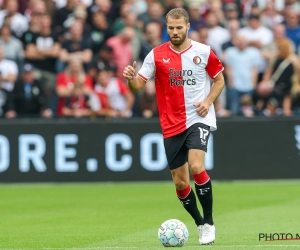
(132, 150)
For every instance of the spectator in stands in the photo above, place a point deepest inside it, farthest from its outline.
(118, 24)
(241, 71)
(233, 27)
(170, 4)
(275, 89)
(104, 6)
(293, 28)
(18, 23)
(131, 21)
(76, 105)
(138, 7)
(147, 100)
(196, 20)
(217, 35)
(155, 13)
(152, 39)
(231, 12)
(34, 28)
(294, 5)
(295, 95)
(65, 81)
(257, 36)
(62, 15)
(42, 52)
(4, 101)
(270, 50)
(195, 36)
(8, 72)
(269, 16)
(35, 7)
(28, 98)
(12, 46)
(62, 3)
(247, 6)
(80, 14)
(100, 31)
(103, 59)
(119, 96)
(76, 45)
(203, 34)
(122, 49)
(215, 9)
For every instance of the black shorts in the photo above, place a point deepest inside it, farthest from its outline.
(178, 146)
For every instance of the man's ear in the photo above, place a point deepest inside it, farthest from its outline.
(188, 26)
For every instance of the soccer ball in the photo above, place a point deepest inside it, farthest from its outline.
(173, 233)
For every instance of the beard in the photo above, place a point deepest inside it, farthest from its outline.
(179, 40)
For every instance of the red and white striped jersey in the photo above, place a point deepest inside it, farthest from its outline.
(181, 80)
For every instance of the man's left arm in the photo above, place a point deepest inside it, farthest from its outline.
(215, 91)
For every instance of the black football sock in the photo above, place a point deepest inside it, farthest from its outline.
(188, 200)
(204, 192)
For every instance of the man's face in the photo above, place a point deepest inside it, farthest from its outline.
(103, 78)
(177, 30)
(292, 19)
(28, 77)
(254, 23)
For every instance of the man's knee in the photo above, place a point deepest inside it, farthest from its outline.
(197, 167)
(181, 184)
(180, 179)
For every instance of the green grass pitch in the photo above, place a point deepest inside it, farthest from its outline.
(127, 215)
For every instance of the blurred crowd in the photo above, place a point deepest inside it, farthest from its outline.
(65, 58)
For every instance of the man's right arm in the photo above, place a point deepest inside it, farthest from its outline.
(136, 84)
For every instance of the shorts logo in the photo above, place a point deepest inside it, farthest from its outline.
(197, 60)
(203, 135)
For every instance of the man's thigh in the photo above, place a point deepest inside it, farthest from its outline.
(176, 150)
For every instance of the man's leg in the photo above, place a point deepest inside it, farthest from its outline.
(203, 189)
(185, 193)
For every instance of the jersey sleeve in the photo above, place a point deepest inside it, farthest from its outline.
(214, 65)
(148, 67)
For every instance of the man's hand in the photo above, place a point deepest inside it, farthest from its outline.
(11, 114)
(129, 71)
(202, 108)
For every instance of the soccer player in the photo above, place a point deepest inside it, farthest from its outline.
(185, 97)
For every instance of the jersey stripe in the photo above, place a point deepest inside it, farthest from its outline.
(141, 76)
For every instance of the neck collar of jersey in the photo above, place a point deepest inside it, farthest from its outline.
(180, 52)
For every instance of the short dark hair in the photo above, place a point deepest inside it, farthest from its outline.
(177, 13)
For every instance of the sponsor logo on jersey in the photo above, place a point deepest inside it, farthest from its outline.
(197, 60)
(166, 61)
(173, 73)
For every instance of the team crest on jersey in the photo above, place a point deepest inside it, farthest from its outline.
(197, 60)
